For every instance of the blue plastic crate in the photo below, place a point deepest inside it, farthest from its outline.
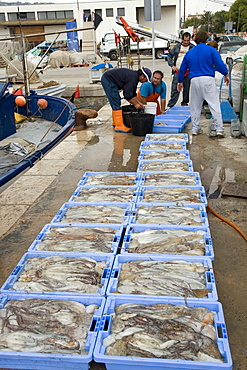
(206, 238)
(167, 137)
(102, 208)
(182, 108)
(163, 145)
(131, 190)
(202, 195)
(123, 258)
(123, 178)
(15, 275)
(50, 361)
(165, 165)
(166, 155)
(178, 114)
(187, 178)
(144, 363)
(201, 211)
(171, 119)
(168, 128)
(117, 229)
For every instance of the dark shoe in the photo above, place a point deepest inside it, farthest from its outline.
(184, 104)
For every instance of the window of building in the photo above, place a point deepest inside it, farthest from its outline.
(121, 12)
(2, 17)
(109, 12)
(69, 14)
(63, 14)
(12, 17)
(23, 16)
(98, 11)
(51, 15)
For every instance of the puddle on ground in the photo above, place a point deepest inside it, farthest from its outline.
(221, 176)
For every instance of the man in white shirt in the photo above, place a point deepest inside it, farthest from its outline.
(175, 58)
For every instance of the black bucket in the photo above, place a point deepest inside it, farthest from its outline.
(142, 123)
(127, 111)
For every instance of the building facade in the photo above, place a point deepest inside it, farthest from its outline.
(46, 18)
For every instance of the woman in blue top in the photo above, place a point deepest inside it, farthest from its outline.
(150, 92)
(202, 61)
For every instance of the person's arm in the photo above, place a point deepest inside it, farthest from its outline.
(163, 106)
(143, 100)
(137, 104)
(170, 57)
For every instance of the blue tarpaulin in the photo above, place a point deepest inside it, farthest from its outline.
(72, 36)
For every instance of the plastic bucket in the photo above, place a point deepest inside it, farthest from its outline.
(127, 111)
(150, 107)
(142, 123)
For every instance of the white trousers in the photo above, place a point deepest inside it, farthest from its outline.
(204, 88)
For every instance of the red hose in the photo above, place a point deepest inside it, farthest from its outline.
(228, 222)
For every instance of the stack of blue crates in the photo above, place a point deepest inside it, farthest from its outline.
(127, 192)
(174, 120)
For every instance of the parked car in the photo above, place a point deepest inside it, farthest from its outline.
(229, 38)
(231, 46)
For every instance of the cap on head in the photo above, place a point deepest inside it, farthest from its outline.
(147, 73)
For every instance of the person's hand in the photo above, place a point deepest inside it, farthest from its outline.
(180, 86)
(227, 80)
(175, 69)
(139, 105)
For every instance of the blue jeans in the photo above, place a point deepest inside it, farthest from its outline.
(175, 94)
(112, 93)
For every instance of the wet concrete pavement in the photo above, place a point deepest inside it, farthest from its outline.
(30, 206)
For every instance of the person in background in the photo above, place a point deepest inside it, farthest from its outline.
(202, 62)
(175, 58)
(127, 80)
(151, 92)
(213, 43)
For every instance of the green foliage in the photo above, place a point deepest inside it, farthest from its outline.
(238, 15)
(215, 22)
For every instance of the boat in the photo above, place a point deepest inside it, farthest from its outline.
(56, 90)
(28, 132)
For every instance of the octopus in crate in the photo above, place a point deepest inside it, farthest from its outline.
(61, 274)
(45, 326)
(165, 331)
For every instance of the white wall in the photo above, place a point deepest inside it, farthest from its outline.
(168, 24)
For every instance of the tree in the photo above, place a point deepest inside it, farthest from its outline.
(219, 19)
(194, 21)
(206, 22)
(238, 13)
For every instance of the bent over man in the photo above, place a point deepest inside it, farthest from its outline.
(127, 80)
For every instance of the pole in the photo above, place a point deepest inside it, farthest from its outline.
(153, 48)
(184, 11)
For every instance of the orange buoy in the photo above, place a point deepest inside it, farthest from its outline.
(20, 101)
(42, 103)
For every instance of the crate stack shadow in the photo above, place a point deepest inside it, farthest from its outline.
(125, 242)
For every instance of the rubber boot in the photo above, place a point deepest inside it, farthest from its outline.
(118, 121)
(113, 123)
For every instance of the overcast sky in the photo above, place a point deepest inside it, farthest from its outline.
(191, 6)
(198, 6)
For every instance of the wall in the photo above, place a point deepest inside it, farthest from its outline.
(168, 24)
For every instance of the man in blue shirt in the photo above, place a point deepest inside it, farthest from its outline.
(151, 92)
(202, 61)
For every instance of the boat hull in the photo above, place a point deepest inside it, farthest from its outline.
(59, 110)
